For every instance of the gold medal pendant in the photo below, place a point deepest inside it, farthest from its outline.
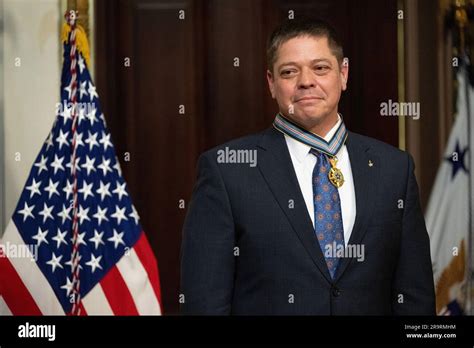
(335, 174)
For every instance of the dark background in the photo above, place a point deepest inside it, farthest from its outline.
(190, 62)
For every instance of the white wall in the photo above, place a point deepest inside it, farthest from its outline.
(31, 90)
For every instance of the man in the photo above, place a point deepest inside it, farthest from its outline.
(323, 222)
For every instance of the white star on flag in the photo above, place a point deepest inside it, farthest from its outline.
(55, 262)
(116, 239)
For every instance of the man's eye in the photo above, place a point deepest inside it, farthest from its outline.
(322, 68)
(286, 72)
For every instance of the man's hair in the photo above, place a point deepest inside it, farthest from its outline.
(292, 28)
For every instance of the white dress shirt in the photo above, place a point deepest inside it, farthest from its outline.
(304, 162)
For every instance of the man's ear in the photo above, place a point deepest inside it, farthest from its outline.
(344, 73)
(271, 85)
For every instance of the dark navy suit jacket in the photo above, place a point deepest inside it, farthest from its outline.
(249, 246)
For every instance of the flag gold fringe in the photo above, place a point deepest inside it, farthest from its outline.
(81, 40)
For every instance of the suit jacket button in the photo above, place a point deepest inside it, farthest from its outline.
(336, 292)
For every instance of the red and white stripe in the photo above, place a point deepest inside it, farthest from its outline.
(131, 287)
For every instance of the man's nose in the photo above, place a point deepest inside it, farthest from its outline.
(306, 79)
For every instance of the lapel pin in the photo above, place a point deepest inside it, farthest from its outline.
(371, 164)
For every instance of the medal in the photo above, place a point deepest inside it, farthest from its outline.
(335, 175)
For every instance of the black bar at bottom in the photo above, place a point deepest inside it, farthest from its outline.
(263, 330)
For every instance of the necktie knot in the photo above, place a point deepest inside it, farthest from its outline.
(315, 152)
(321, 157)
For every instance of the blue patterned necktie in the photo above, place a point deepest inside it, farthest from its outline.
(327, 213)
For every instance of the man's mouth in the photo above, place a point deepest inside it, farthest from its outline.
(308, 98)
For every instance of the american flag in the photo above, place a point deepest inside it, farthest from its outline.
(117, 270)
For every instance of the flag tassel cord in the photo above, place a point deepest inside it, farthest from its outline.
(71, 18)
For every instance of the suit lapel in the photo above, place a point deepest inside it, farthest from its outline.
(275, 164)
(365, 180)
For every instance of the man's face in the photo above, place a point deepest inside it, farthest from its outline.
(307, 80)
